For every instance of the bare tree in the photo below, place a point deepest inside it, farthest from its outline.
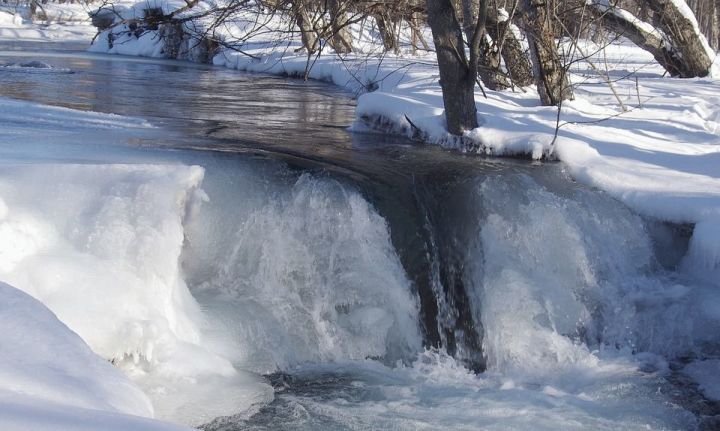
(673, 39)
(550, 76)
(458, 68)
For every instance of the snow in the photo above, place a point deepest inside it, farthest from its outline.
(50, 379)
(10, 19)
(64, 22)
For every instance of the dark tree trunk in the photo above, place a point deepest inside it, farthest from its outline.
(550, 77)
(340, 40)
(385, 28)
(489, 68)
(304, 21)
(716, 25)
(516, 59)
(680, 30)
(682, 54)
(457, 77)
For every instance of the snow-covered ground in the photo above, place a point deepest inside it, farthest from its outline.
(62, 23)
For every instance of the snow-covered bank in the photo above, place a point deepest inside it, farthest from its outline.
(50, 379)
(59, 23)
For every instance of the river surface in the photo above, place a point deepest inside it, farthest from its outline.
(377, 283)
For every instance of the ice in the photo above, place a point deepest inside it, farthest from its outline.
(704, 250)
(33, 67)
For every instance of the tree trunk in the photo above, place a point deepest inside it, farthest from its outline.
(457, 78)
(516, 60)
(489, 57)
(340, 40)
(679, 49)
(623, 23)
(716, 25)
(385, 28)
(308, 35)
(550, 77)
(678, 22)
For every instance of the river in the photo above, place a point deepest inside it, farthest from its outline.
(374, 282)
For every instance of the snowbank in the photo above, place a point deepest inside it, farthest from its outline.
(54, 23)
(10, 19)
(50, 379)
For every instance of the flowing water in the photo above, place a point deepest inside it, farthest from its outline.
(357, 280)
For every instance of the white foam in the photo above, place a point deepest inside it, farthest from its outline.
(565, 280)
(707, 375)
(299, 271)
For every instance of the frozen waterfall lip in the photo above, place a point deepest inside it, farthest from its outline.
(36, 133)
(100, 245)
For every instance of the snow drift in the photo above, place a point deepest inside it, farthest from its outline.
(50, 379)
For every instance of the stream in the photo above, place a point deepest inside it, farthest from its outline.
(366, 281)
